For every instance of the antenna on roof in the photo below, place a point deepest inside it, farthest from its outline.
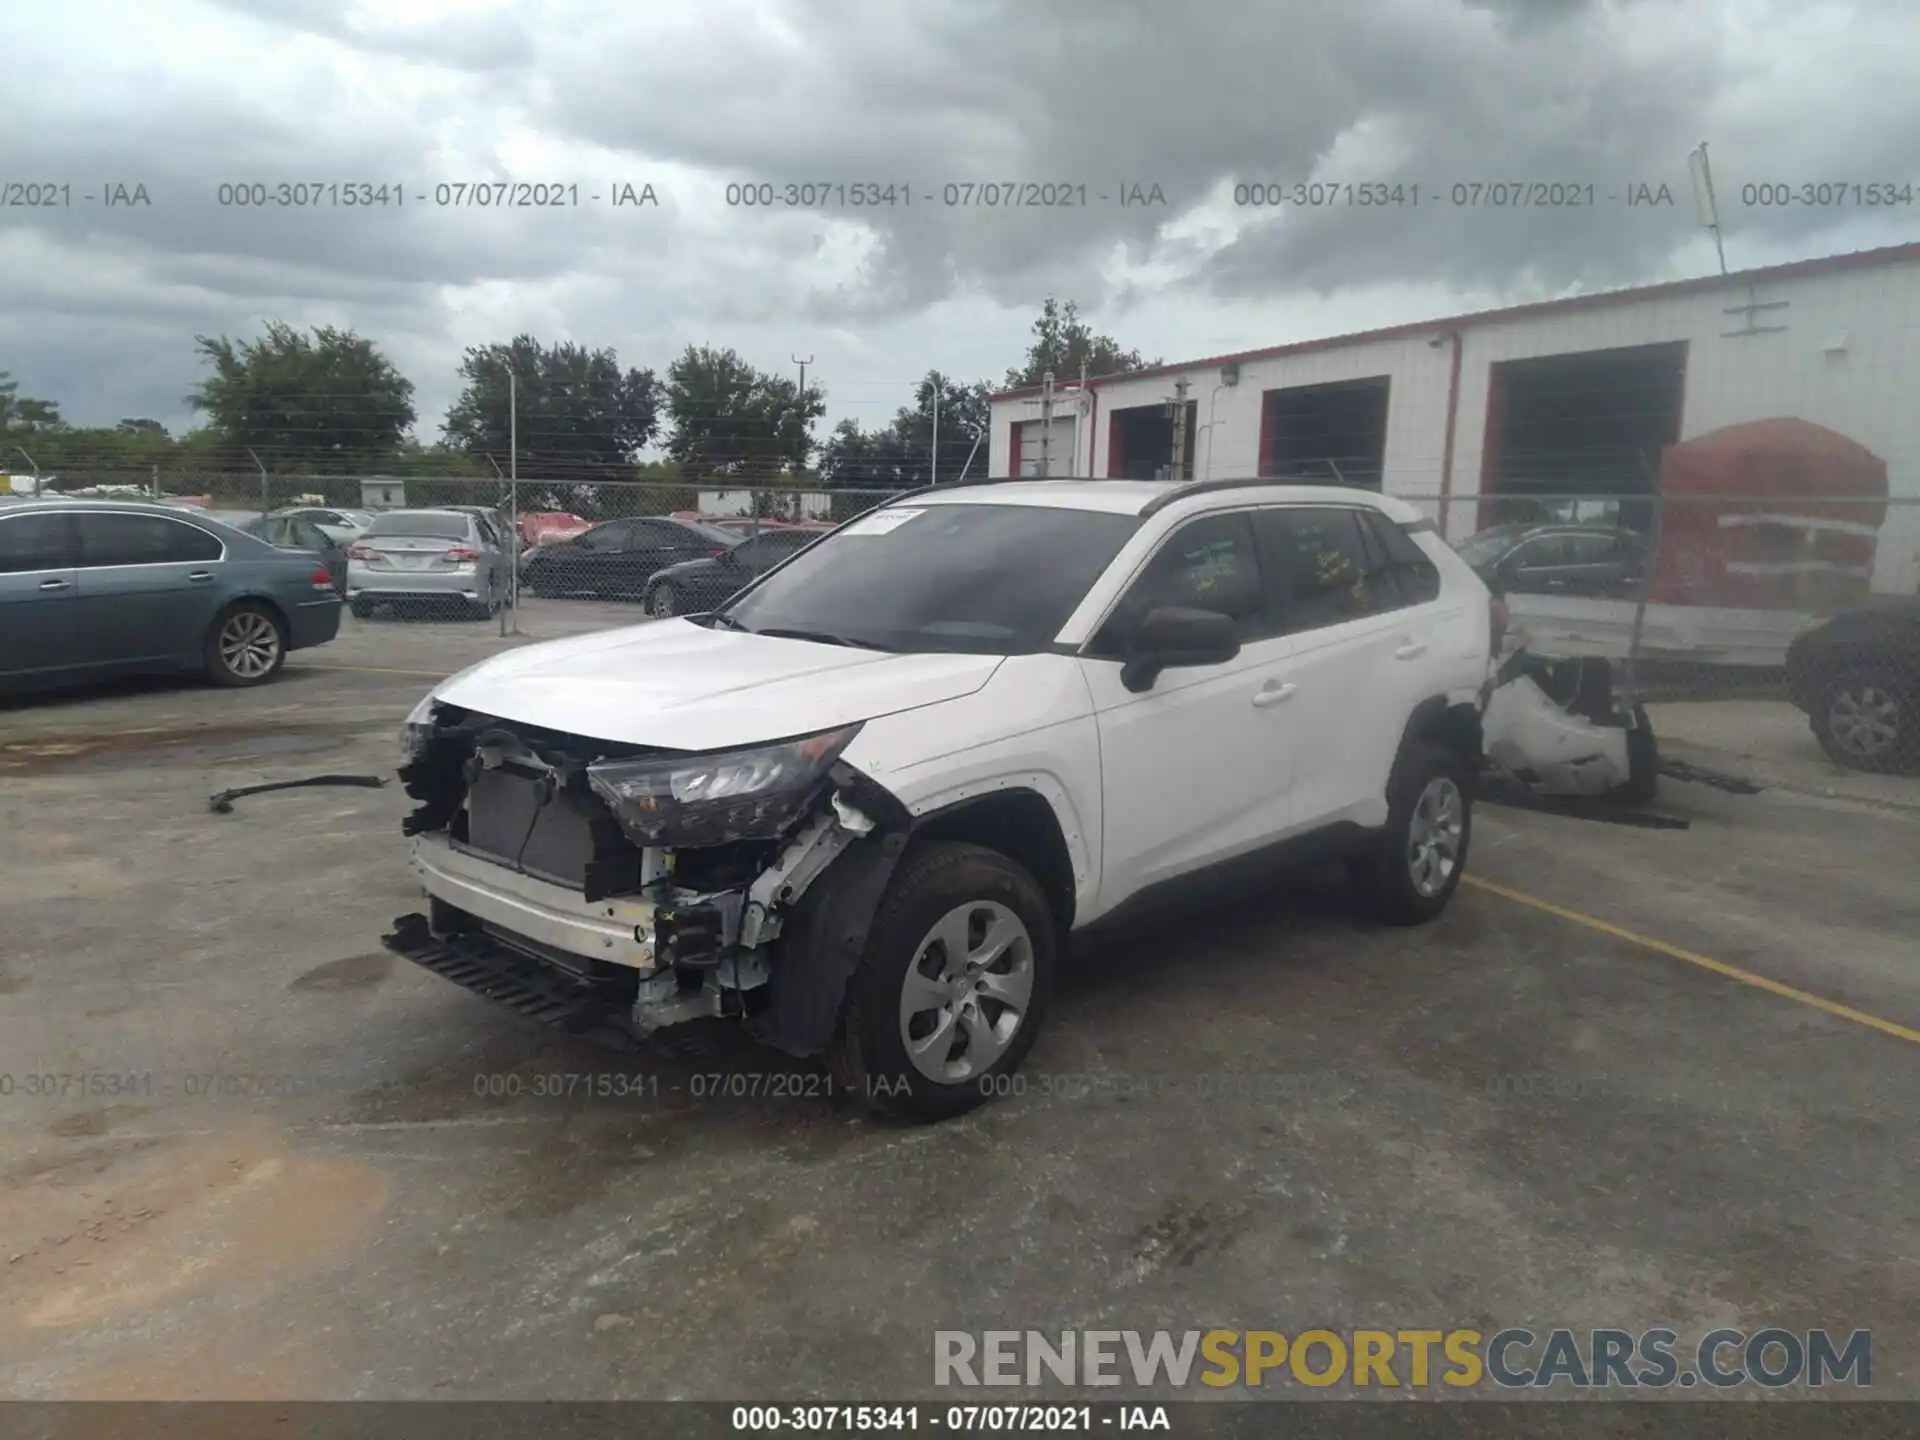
(1702, 176)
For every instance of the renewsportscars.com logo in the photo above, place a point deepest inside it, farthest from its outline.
(1510, 1359)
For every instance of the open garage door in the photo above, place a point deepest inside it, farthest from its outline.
(1140, 441)
(1335, 432)
(1579, 437)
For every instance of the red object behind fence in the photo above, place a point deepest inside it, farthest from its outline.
(1777, 514)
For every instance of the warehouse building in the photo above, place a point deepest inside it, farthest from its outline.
(1569, 405)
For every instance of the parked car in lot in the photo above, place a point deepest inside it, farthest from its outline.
(290, 532)
(429, 555)
(862, 805)
(544, 526)
(341, 526)
(1597, 561)
(1857, 679)
(702, 584)
(95, 589)
(615, 561)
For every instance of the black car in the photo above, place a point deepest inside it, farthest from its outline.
(1857, 678)
(1595, 561)
(615, 561)
(696, 585)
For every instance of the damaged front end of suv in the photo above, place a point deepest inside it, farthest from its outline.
(616, 890)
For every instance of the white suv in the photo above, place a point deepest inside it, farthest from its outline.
(862, 805)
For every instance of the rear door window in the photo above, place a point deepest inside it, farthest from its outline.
(143, 540)
(1326, 574)
(1412, 577)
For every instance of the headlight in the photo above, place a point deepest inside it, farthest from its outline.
(418, 728)
(694, 800)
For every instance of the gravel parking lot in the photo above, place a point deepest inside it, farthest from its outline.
(1632, 1078)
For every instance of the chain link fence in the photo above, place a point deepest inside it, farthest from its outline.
(1759, 601)
(1792, 593)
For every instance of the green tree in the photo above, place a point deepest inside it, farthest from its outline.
(899, 456)
(22, 414)
(735, 424)
(1063, 342)
(579, 414)
(325, 401)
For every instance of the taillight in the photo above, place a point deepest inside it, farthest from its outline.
(460, 555)
(718, 553)
(359, 552)
(322, 580)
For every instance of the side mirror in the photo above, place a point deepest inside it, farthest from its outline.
(1174, 636)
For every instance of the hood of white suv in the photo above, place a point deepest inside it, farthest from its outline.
(681, 686)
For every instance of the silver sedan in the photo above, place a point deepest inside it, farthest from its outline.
(429, 555)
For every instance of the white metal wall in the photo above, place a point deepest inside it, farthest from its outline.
(1846, 360)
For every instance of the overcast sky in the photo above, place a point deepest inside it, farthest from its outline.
(99, 306)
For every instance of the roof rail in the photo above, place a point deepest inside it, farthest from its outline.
(1208, 487)
(972, 484)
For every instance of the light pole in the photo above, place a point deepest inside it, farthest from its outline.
(36, 470)
(513, 492)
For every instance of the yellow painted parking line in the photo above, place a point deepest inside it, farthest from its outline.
(1705, 962)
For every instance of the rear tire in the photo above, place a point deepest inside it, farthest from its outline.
(1410, 873)
(662, 603)
(362, 609)
(1868, 719)
(959, 967)
(246, 645)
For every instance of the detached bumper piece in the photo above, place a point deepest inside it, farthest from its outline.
(523, 985)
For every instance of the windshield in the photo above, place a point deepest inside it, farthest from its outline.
(1488, 545)
(970, 579)
(419, 523)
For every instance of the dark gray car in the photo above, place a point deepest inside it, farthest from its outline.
(94, 589)
(1595, 561)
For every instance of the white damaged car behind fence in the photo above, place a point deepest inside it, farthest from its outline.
(862, 806)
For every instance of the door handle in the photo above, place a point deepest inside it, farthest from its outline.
(56, 584)
(200, 577)
(1411, 650)
(1272, 694)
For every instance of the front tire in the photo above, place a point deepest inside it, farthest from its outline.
(246, 645)
(1867, 719)
(953, 988)
(1410, 874)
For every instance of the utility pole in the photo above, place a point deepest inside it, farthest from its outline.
(265, 503)
(513, 493)
(933, 466)
(1180, 431)
(1079, 409)
(1046, 424)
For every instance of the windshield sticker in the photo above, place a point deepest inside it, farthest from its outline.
(883, 522)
